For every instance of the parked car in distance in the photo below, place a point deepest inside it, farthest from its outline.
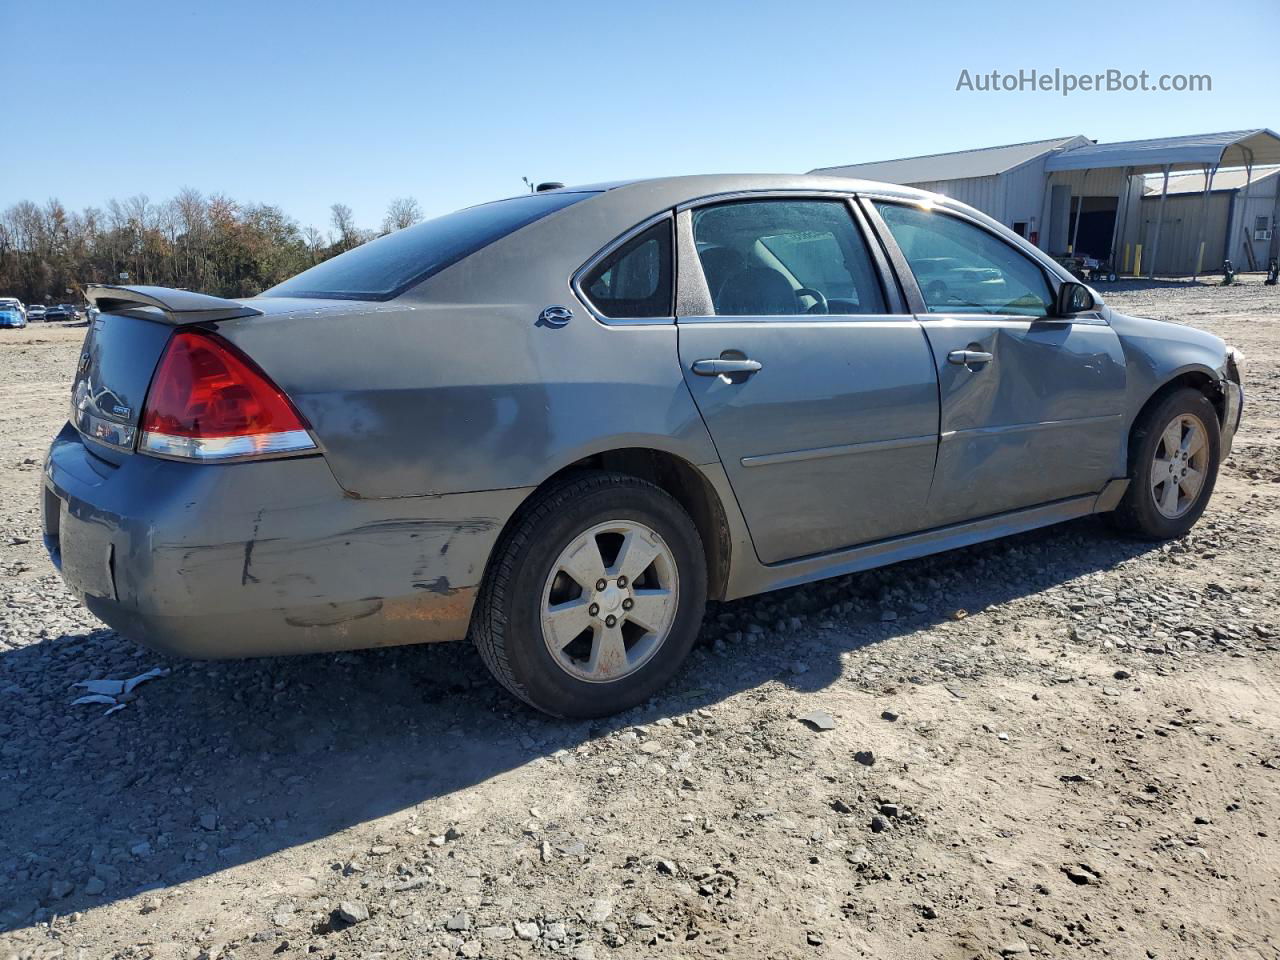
(75, 312)
(560, 423)
(59, 313)
(11, 315)
(35, 312)
(955, 282)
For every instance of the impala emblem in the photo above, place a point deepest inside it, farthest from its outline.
(554, 317)
(84, 363)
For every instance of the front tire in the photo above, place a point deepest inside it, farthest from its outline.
(1174, 466)
(593, 598)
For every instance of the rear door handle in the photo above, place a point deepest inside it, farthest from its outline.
(966, 358)
(716, 368)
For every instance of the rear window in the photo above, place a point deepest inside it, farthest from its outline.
(386, 267)
(635, 280)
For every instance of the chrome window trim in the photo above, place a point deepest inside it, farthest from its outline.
(575, 282)
(799, 193)
(876, 319)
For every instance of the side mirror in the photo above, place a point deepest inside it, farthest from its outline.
(1072, 298)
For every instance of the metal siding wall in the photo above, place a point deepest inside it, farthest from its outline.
(1024, 196)
(1021, 194)
(981, 192)
(1180, 235)
(1260, 202)
(1093, 183)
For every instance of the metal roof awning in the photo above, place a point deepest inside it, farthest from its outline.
(1193, 181)
(1235, 148)
(957, 165)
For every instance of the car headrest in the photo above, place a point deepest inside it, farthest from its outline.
(756, 291)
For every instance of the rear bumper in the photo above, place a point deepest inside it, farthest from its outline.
(263, 558)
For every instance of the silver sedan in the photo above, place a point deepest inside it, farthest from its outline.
(560, 423)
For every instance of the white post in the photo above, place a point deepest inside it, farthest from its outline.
(1075, 232)
(1155, 241)
(1204, 215)
(1117, 228)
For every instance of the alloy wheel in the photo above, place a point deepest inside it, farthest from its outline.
(609, 601)
(1180, 465)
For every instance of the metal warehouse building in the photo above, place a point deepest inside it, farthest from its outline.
(1241, 209)
(1074, 197)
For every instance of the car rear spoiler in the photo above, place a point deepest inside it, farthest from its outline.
(180, 307)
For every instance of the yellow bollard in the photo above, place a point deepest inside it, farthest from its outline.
(1137, 261)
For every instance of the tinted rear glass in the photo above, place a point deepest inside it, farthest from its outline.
(386, 267)
(635, 281)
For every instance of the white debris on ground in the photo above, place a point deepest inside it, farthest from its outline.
(117, 693)
(1063, 744)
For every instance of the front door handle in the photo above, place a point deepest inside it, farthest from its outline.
(717, 368)
(967, 358)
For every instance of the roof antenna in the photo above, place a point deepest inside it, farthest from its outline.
(545, 185)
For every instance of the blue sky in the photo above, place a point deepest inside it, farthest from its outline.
(304, 104)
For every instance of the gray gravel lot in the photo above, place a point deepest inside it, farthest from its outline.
(1063, 744)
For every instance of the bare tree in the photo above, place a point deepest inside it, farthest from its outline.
(344, 223)
(203, 243)
(193, 225)
(401, 212)
(315, 244)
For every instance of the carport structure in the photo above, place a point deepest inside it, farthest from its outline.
(1205, 152)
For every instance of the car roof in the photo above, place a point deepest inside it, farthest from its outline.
(572, 235)
(693, 186)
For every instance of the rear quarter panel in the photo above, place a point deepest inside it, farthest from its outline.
(453, 387)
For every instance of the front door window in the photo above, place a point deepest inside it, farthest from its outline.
(961, 268)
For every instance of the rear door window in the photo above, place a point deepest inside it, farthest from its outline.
(635, 280)
(386, 267)
(785, 258)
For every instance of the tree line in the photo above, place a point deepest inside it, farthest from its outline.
(213, 244)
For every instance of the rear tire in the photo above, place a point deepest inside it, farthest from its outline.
(552, 635)
(1174, 455)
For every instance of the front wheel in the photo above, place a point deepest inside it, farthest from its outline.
(593, 598)
(1174, 459)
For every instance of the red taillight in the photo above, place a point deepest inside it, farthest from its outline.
(208, 401)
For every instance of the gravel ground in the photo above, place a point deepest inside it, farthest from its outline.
(1063, 744)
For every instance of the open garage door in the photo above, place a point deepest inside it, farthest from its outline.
(1097, 216)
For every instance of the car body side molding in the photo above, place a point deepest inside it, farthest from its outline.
(792, 573)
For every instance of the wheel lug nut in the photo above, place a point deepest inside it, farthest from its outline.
(628, 603)
(594, 609)
(611, 621)
(601, 584)
(622, 581)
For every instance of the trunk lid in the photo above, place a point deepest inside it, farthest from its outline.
(121, 349)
